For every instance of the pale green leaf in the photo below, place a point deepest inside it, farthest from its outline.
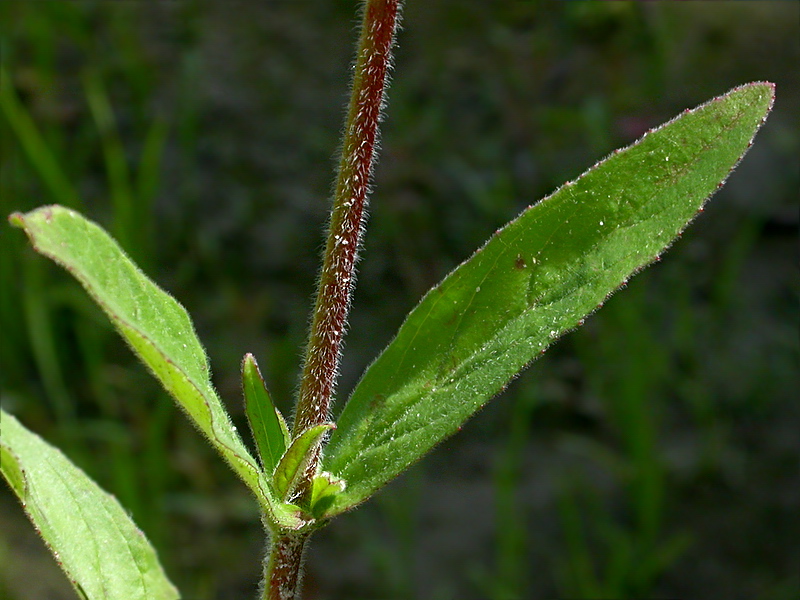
(296, 458)
(157, 328)
(535, 279)
(105, 556)
(324, 490)
(266, 422)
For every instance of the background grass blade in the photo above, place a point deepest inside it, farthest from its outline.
(102, 552)
(156, 326)
(34, 144)
(534, 280)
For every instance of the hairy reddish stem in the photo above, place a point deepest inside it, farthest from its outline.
(347, 215)
(282, 572)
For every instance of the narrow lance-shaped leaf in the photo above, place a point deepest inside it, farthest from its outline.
(535, 279)
(157, 328)
(266, 422)
(296, 458)
(105, 556)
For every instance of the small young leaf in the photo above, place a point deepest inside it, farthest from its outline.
(284, 515)
(535, 279)
(102, 552)
(323, 493)
(266, 422)
(296, 458)
(157, 328)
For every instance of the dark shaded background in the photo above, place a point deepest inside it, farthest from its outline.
(653, 453)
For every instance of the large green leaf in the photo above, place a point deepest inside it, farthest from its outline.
(151, 321)
(535, 279)
(102, 552)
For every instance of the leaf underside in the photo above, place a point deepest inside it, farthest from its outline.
(154, 324)
(101, 550)
(535, 279)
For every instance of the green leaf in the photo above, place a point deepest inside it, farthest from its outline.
(157, 328)
(266, 422)
(324, 490)
(102, 552)
(535, 279)
(296, 458)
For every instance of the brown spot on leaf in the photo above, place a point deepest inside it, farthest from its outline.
(519, 262)
(377, 401)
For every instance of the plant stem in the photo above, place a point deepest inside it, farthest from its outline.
(282, 572)
(282, 569)
(347, 215)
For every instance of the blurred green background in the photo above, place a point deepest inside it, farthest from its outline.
(653, 453)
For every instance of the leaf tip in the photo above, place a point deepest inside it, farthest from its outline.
(766, 90)
(250, 370)
(249, 362)
(772, 91)
(17, 219)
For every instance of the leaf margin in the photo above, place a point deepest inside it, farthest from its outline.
(30, 493)
(364, 424)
